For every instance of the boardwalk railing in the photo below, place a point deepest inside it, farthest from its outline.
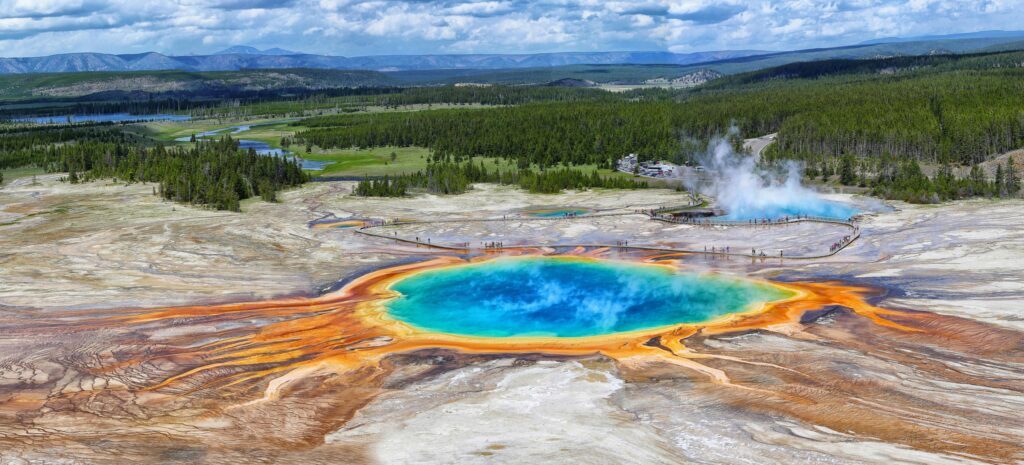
(721, 222)
(464, 246)
(510, 218)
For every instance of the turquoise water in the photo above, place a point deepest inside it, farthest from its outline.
(566, 298)
(805, 207)
(260, 147)
(555, 213)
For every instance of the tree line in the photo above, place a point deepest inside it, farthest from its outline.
(296, 100)
(213, 173)
(543, 134)
(16, 142)
(906, 181)
(447, 177)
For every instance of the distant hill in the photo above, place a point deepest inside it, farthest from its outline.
(998, 35)
(245, 50)
(639, 73)
(241, 57)
(80, 74)
(428, 68)
(1008, 46)
(889, 66)
(140, 84)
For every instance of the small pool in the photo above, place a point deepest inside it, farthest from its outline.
(567, 297)
(338, 224)
(557, 212)
(263, 148)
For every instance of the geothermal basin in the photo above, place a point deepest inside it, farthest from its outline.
(568, 297)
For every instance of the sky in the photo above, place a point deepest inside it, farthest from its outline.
(387, 27)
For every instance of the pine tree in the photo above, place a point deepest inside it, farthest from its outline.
(978, 182)
(1000, 183)
(1012, 179)
(848, 171)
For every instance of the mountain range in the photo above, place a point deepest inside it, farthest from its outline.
(238, 58)
(246, 50)
(245, 58)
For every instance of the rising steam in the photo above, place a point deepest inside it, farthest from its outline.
(748, 191)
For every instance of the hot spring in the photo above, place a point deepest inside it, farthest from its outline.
(557, 212)
(773, 209)
(567, 297)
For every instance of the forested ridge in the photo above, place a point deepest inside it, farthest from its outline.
(297, 100)
(220, 101)
(395, 97)
(959, 111)
(958, 117)
(891, 65)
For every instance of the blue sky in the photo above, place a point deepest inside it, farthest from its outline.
(357, 27)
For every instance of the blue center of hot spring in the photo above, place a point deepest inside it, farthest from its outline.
(566, 298)
(777, 210)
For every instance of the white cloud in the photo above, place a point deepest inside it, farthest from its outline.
(37, 8)
(481, 8)
(641, 21)
(791, 26)
(353, 27)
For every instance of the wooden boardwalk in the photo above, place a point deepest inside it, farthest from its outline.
(464, 248)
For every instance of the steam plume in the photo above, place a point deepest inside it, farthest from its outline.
(747, 191)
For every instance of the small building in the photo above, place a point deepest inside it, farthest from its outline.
(657, 169)
(627, 163)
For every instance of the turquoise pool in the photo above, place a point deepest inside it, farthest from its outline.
(566, 297)
(806, 207)
(558, 212)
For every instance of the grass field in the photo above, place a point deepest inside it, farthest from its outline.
(167, 131)
(377, 162)
(269, 129)
(14, 173)
(368, 162)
